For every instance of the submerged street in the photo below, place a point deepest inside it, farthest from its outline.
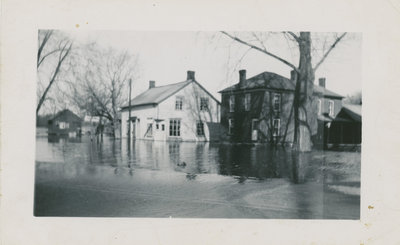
(111, 178)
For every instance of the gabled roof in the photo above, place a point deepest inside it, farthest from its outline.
(263, 80)
(326, 92)
(67, 113)
(95, 119)
(270, 80)
(156, 95)
(353, 111)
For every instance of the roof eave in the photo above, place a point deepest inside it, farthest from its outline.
(137, 105)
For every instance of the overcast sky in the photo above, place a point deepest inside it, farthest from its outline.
(166, 56)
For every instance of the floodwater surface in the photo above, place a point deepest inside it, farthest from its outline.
(112, 178)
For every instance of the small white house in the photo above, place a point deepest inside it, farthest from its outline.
(89, 124)
(183, 111)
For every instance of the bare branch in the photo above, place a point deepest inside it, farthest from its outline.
(46, 55)
(63, 54)
(294, 36)
(329, 50)
(43, 44)
(260, 49)
(259, 40)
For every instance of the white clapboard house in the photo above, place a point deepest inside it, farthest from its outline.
(183, 111)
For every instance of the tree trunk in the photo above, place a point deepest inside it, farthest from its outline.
(305, 120)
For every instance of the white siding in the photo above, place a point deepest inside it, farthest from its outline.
(144, 114)
(189, 115)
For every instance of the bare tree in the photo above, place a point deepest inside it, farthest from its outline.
(101, 81)
(304, 119)
(355, 98)
(52, 49)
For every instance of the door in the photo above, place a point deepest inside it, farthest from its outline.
(254, 129)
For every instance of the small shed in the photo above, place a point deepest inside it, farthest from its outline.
(346, 127)
(65, 123)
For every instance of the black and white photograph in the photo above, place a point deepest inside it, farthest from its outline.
(192, 124)
(199, 122)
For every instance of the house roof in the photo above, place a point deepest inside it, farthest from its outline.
(156, 95)
(325, 118)
(263, 80)
(270, 80)
(95, 119)
(326, 92)
(353, 111)
(67, 113)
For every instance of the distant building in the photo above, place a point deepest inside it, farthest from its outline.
(183, 111)
(65, 123)
(260, 109)
(90, 124)
(345, 129)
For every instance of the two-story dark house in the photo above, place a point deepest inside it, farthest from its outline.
(260, 108)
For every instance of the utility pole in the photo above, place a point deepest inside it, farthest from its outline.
(129, 117)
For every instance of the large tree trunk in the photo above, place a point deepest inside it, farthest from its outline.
(305, 120)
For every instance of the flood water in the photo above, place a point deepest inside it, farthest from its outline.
(114, 178)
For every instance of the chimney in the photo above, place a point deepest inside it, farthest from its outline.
(242, 76)
(190, 75)
(152, 84)
(322, 82)
(293, 75)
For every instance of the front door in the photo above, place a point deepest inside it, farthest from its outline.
(254, 129)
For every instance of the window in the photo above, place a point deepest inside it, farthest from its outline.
(203, 104)
(174, 127)
(319, 107)
(63, 125)
(149, 132)
(157, 126)
(178, 103)
(200, 128)
(254, 124)
(276, 127)
(232, 103)
(247, 99)
(162, 127)
(331, 108)
(277, 103)
(231, 125)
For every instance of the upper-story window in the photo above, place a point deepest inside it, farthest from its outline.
(179, 103)
(247, 100)
(232, 103)
(277, 103)
(331, 108)
(203, 104)
(319, 107)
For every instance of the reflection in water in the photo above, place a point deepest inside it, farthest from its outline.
(159, 179)
(243, 162)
